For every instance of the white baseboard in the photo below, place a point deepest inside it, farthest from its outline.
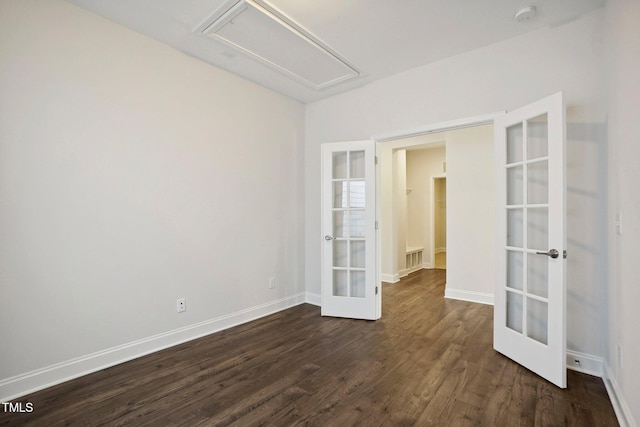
(471, 296)
(390, 278)
(407, 271)
(427, 265)
(313, 299)
(620, 406)
(20, 385)
(596, 366)
(585, 363)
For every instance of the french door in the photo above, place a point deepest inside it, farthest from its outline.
(530, 307)
(350, 285)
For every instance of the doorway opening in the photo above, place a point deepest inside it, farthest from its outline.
(439, 179)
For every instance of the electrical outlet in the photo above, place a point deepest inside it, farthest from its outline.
(181, 305)
(272, 282)
(618, 223)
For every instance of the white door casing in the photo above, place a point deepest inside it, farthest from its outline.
(350, 286)
(530, 293)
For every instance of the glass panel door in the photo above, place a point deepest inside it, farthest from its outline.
(527, 228)
(529, 311)
(349, 207)
(349, 269)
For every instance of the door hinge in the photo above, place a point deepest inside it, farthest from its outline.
(376, 225)
(376, 290)
(376, 159)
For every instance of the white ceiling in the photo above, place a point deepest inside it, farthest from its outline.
(379, 37)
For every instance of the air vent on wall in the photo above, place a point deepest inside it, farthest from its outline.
(259, 30)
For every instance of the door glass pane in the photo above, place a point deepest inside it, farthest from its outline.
(356, 164)
(515, 231)
(346, 229)
(514, 143)
(340, 165)
(514, 270)
(537, 183)
(340, 226)
(537, 137)
(514, 311)
(340, 286)
(514, 185)
(538, 229)
(340, 253)
(358, 284)
(537, 320)
(356, 194)
(537, 275)
(356, 223)
(340, 194)
(357, 253)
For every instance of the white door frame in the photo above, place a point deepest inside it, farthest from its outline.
(432, 219)
(390, 140)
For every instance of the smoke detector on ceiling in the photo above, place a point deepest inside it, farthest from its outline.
(525, 14)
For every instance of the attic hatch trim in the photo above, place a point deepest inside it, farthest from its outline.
(235, 8)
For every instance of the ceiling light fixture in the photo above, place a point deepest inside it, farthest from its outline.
(525, 14)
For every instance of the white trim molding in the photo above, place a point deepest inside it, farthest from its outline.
(471, 296)
(313, 299)
(585, 363)
(439, 127)
(620, 406)
(23, 384)
(389, 278)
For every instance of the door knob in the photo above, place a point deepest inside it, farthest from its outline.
(553, 253)
(328, 238)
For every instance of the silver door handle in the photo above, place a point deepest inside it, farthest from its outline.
(328, 238)
(553, 253)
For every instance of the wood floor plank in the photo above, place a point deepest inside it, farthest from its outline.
(428, 361)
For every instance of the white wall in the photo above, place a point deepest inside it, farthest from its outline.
(470, 212)
(502, 76)
(131, 175)
(623, 61)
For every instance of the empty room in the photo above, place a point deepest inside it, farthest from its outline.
(221, 212)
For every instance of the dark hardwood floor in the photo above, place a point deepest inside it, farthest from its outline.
(428, 361)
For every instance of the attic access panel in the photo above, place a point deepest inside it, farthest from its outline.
(262, 32)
